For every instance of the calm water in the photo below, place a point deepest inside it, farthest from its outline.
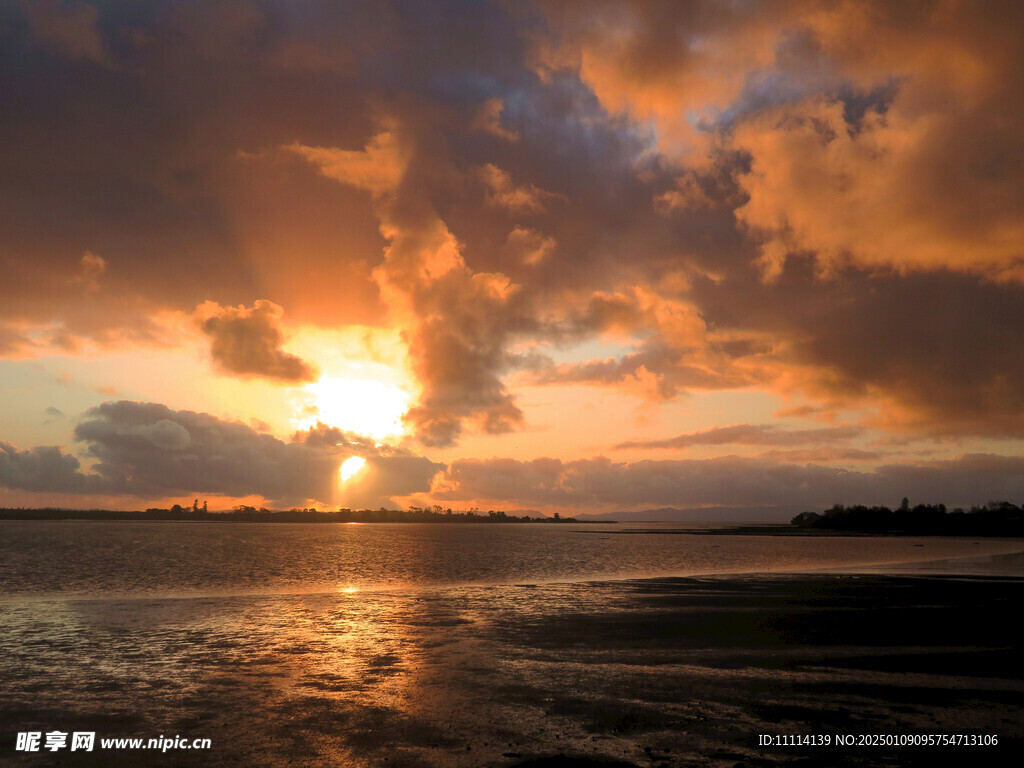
(152, 558)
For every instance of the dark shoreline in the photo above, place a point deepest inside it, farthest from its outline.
(250, 515)
(778, 529)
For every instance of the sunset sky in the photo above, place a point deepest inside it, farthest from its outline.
(564, 257)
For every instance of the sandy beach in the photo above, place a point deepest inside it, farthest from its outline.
(657, 672)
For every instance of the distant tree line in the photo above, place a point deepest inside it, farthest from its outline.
(997, 518)
(249, 514)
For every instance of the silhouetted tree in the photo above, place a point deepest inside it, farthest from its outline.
(806, 518)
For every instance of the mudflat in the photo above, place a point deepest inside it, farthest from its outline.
(658, 672)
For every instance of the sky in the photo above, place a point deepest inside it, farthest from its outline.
(565, 257)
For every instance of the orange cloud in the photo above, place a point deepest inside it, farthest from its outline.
(91, 269)
(529, 245)
(868, 194)
(455, 321)
(378, 168)
(670, 348)
(674, 64)
(515, 198)
(488, 120)
(866, 123)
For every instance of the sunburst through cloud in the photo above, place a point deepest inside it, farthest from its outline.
(351, 467)
(370, 408)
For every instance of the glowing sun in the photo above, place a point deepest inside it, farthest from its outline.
(350, 467)
(371, 408)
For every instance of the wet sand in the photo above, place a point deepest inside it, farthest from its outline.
(664, 672)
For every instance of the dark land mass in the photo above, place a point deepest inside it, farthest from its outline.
(1001, 519)
(665, 673)
(994, 519)
(252, 515)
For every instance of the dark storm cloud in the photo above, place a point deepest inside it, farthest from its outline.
(150, 450)
(938, 353)
(600, 483)
(137, 158)
(188, 200)
(67, 29)
(943, 347)
(248, 342)
(45, 469)
(750, 434)
(155, 144)
(815, 197)
(146, 448)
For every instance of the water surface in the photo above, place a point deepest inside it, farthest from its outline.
(93, 558)
(455, 646)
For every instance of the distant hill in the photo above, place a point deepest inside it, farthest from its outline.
(780, 514)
